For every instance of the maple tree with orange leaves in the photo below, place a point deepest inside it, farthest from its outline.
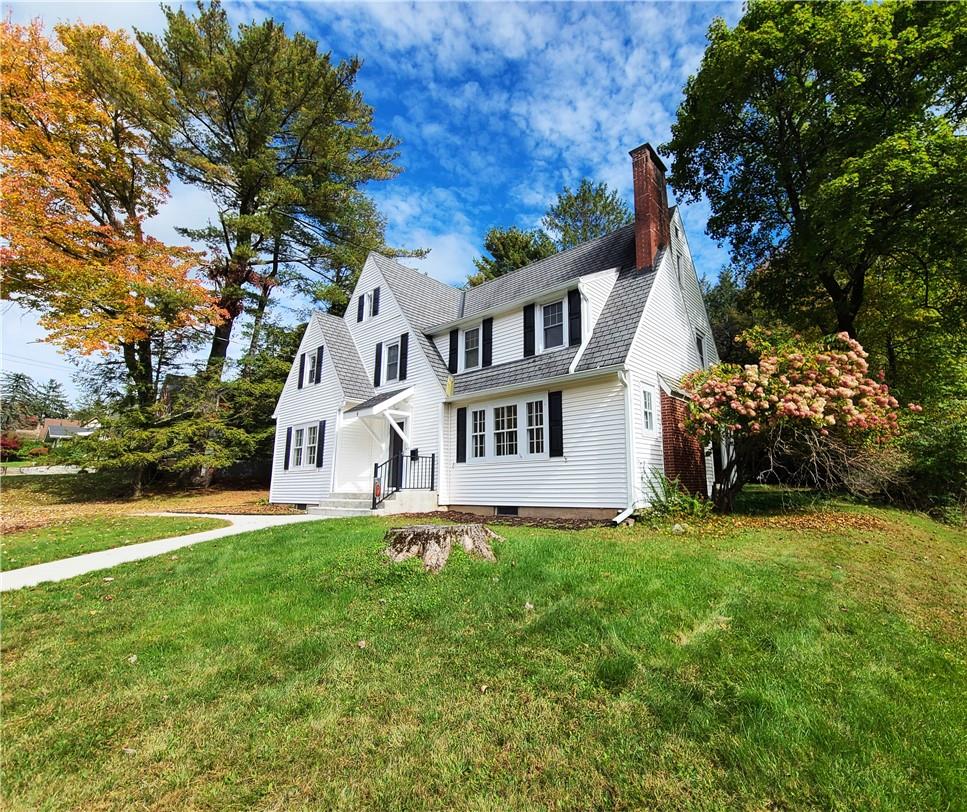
(80, 176)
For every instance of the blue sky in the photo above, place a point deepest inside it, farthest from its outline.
(498, 105)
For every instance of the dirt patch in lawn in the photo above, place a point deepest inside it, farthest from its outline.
(38, 501)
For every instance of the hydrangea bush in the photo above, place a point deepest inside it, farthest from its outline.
(809, 408)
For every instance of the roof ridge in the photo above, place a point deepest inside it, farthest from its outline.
(555, 255)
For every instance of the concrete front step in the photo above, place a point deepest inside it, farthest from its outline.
(356, 504)
(338, 512)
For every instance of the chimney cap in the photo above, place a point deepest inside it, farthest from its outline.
(654, 155)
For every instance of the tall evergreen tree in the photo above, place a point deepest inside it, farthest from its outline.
(590, 211)
(52, 400)
(277, 134)
(18, 401)
(509, 249)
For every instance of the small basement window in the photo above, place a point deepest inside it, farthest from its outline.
(506, 510)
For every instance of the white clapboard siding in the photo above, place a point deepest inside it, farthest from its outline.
(388, 326)
(597, 288)
(508, 337)
(592, 472)
(665, 344)
(312, 403)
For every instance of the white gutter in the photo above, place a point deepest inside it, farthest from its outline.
(629, 448)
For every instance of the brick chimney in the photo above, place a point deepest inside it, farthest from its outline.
(652, 223)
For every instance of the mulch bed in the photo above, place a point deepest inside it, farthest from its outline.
(515, 521)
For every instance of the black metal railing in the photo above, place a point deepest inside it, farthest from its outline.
(406, 471)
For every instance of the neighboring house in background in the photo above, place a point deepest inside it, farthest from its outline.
(551, 390)
(54, 431)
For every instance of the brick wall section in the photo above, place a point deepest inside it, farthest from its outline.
(684, 455)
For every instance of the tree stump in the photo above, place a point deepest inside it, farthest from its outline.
(433, 542)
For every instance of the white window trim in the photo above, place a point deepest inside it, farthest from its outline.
(473, 434)
(386, 377)
(305, 465)
(650, 391)
(703, 354)
(562, 301)
(463, 347)
(311, 374)
(490, 440)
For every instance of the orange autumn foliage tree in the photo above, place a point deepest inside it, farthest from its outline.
(80, 176)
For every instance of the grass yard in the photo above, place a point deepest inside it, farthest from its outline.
(64, 539)
(760, 662)
(41, 500)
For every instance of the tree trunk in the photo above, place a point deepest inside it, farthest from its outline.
(433, 542)
(220, 341)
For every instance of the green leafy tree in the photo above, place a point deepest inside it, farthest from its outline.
(278, 135)
(824, 136)
(510, 249)
(590, 211)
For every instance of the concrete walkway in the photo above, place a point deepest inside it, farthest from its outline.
(104, 559)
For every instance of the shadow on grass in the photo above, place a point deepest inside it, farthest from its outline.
(764, 500)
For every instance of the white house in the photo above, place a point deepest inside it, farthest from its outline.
(548, 391)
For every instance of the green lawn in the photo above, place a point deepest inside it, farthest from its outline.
(26, 547)
(761, 663)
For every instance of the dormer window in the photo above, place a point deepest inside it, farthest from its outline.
(368, 305)
(553, 316)
(313, 357)
(471, 348)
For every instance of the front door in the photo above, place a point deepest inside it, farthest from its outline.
(396, 457)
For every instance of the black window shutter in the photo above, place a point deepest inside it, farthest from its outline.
(487, 356)
(302, 367)
(404, 352)
(320, 443)
(318, 364)
(375, 301)
(573, 317)
(454, 350)
(555, 425)
(528, 330)
(378, 365)
(462, 434)
(360, 307)
(288, 447)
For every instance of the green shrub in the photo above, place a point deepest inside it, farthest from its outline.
(668, 499)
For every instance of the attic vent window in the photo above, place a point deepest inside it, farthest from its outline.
(700, 346)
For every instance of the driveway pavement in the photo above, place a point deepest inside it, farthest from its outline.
(104, 559)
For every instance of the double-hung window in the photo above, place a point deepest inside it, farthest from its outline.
(648, 409)
(553, 316)
(311, 439)
(304, 445)
(393, 362)
(478, 433)
(535, 427)
(471, 348)
(700, 347)
(505, 430)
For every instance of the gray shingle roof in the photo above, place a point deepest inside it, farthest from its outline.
(376, 400)
(615, 329)
(522, 371)
(425, 300)
(353, 379)
(614, 250)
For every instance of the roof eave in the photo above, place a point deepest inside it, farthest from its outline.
(540, 382)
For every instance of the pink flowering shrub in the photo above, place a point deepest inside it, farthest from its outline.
(799, 397)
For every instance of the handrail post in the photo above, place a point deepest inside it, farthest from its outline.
(375, 480)
(433, 471)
